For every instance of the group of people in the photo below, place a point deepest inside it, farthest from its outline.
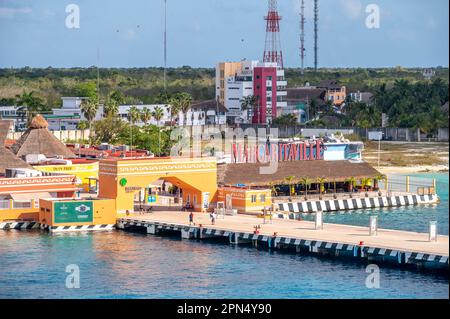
(212, 216)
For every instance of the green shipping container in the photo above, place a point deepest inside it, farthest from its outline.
(73, 212)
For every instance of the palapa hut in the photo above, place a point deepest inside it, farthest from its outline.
(7, 158)
(37, 139)
(333, 171)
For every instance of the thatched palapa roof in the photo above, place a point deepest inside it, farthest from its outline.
(39, 140)
(249, 174)
(7, 158)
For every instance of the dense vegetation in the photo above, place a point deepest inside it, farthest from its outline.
(402, 94)
(143, 85)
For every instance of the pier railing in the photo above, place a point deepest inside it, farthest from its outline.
(328, 196)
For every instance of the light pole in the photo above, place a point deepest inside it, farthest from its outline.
(380, 136)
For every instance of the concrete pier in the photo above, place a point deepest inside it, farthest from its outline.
(400, 248)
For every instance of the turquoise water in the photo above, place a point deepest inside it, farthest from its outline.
(413, 218)
(124, 265)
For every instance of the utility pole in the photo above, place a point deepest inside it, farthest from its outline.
(302, 37)
(165, 45)
(316, 33)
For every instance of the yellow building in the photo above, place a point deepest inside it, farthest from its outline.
(83, 171)
(223, 71)
(121, 178)
(244, 199)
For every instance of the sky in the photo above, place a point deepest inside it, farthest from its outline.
(119, 33)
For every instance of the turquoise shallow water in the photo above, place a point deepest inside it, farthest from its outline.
(124, 265)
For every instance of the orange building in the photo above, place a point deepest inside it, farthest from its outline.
(19, 197)
(223, 71)
(245, 199)
(334, 92)
(122, 178)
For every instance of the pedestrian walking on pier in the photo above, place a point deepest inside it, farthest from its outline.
(213, 218)
(191, 218)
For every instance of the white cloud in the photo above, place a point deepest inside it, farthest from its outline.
(11, 12)
(352, 8)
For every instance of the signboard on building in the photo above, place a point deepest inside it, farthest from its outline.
(283, 152)
(206, 200)
(73, 212)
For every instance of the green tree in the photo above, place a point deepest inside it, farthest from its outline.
(29, 105)
(321, 182)
(248, 104)
(87, 90)
(158, 114)
(83, 125)
(134, 115)
(290, 182)
(111, 108)
(306, 182)
(185, 102)
(89, 108)
(146, 115)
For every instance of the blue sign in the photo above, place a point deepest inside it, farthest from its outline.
(151, 199)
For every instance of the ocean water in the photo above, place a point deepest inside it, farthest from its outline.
(409, 218)
(124, 265)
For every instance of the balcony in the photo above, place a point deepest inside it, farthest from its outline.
(282, 83)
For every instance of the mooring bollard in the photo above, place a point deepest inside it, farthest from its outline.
(373, 226)
(433, 231)
(319, 220)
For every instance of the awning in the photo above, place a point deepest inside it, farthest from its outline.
(29, 196)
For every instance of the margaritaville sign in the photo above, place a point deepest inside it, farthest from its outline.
(264, 153)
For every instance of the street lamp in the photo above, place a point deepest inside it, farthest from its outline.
(380, 137)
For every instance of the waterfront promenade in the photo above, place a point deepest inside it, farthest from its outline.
(342, 234)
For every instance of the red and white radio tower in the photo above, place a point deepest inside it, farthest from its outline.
(272, 50)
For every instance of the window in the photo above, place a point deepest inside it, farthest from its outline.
(253, 199)
(263, 198)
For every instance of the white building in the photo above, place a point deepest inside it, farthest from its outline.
(69, 115)
(10, 113)
(241, 85)
(124, 111)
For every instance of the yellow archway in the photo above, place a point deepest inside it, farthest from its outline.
(120, 178)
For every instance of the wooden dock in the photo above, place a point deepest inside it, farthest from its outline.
(392, 246)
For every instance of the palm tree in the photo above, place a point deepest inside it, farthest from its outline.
(249, 103)
(89, 108)
(175, 107)
(185, 100)
(274, 189)
(146, 115)
(290, 180)
(351, 183)
(158, 114)
(29, 105)
(377, 179)
(83, 125)
(134, 115)
(307, 183)
(365, 183)
(111, 108)
(321, 181)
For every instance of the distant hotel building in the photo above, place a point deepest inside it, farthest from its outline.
(238, 80)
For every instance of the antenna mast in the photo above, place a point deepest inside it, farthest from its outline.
(272, 50)
(302, 36)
